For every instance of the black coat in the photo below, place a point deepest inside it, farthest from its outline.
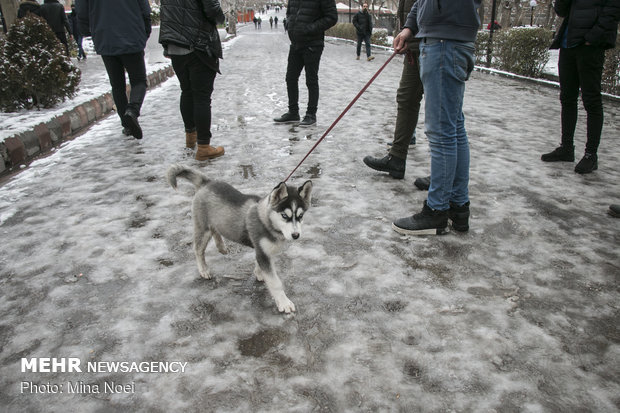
(307, 21)
(28, 6)
(54, 13)
(363, 23)
(116, 26)
(592, 21)
(191, 24)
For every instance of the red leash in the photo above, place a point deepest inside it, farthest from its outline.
(343, 113)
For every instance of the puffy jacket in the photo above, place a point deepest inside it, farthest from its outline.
(191, 24)
(307, 21)
(363, 22)
(592, 21)
(445, 19)
(117, 26)
(54, 13)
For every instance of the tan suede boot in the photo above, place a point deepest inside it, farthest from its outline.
(190, 139)
(205, 152)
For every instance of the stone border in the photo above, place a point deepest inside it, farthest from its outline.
(23, 148)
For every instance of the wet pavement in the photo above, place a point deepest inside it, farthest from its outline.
(519, 314)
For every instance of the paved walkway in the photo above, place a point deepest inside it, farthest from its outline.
(519, 314)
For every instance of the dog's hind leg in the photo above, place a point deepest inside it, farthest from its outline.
(219, 242)
(258, 273)
(201, 239)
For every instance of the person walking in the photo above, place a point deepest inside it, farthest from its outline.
(54, 13)
(408, 98)
(307, 21)
(75, 28)
(363, 26)
(588, 29)
(120, 29)
(271, 22)
(190, 38)
(28, 6)
(447, 34)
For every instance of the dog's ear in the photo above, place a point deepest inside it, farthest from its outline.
(305, 192)
(278, 194)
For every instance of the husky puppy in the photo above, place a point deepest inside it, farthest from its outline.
(219, 210)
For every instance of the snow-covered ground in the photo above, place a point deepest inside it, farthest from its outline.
(519, 314)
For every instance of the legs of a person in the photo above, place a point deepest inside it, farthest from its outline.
(445, 66)
(569, 93)
(181, 69)
(590, 62)
(360, 38)
(408, 98)
(293, 71)
(312, 60)
(136, 70)
(116, 73)
(202, 79)
(367, 42)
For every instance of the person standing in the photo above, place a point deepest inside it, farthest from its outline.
(589, 28)
(120, 29)
(54, 13)
(408, 98)
(188, 32)
(307, 21)
(363, 26)
(448, 34)
(75, 28)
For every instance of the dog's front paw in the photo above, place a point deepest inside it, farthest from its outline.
(205, 274)
(285, 305)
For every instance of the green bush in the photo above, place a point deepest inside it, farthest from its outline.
(34, 70)
(343, 31)
(379, 37)
(524, 51)
(482, 44)
(611, 72)
(155, 12)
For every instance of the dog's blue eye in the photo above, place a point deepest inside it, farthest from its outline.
(286, 217)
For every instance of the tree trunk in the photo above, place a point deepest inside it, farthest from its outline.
(506, 12)
(9, 11)
(518, 13)
(481, 14)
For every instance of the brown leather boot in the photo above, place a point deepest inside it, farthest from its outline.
(190, 139)
(205, 152)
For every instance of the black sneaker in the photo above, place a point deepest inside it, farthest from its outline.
(614, 210)
(459, 215)
(131, 121)
(587, 164)
(427, 222)
(560, 154)
(309, 120)
(423, 183)
(288, 117)
(391, 164)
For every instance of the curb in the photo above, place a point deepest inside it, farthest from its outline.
(22, 148)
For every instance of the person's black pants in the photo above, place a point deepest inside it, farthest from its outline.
(581, 67)
(298, 59)
(136, 69)
(196, 80)
(366, 39)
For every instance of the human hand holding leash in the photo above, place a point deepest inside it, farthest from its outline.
(401, 40)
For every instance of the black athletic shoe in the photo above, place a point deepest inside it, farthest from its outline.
(426, 222)
(288, 117)
(587, 164)
(459, 215)
(423, 183)
(391, 164)
(614, 210)
(560, 154)
(308, 120)
(131, 121)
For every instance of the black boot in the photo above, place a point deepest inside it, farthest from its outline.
(427, 222)
(459, 215)
(391, 164)
(130, 120)
(423, 183)
(288, 117)
(587, 164)
(562, 153)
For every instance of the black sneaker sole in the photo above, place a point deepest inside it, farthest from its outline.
(306, 125)
(428, 231)
(286, 122)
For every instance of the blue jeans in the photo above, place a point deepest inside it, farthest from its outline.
(445, 65)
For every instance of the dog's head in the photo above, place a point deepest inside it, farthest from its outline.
(288, 206)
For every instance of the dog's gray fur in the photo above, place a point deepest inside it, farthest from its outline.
(219, 210)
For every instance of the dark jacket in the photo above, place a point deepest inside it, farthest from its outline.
(117, 26)
(191, 24)
(73, 22)
(362, 22)
(445, 19)
(308, 20)
(28, 6)
(54, 13)
(592, 21)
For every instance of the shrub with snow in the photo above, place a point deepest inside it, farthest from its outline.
(34, 71)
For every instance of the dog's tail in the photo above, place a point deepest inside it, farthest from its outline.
(192, 175)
